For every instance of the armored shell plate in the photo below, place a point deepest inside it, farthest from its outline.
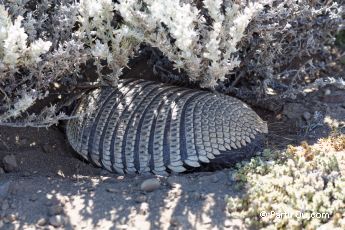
(144, 126)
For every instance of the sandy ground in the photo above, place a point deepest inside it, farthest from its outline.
(51, 181)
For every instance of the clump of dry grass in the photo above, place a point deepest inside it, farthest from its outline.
(335, 140)
(338, 142)
(306, 179)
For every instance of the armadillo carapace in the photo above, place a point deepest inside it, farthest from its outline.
(144, 126)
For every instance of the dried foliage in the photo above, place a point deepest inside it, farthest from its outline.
(47, 42)
(289, 46)
(204, 45)
(301, 188)
(24, 79)
(258, 49)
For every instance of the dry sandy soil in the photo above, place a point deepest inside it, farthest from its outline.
(52, 186)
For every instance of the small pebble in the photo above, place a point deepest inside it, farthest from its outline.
(56, 221)
(10, 163)
(55, 210)
(150, 185)
(61, 174)
(41, 221)
(120, 177)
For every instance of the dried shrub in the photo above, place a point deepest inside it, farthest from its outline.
(283, 190)
(259, 49)
(46, 43)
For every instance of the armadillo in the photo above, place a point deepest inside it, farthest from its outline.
(149, 127)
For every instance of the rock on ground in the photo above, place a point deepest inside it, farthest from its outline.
(10, 163)
(150, 185)
(56, 221)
